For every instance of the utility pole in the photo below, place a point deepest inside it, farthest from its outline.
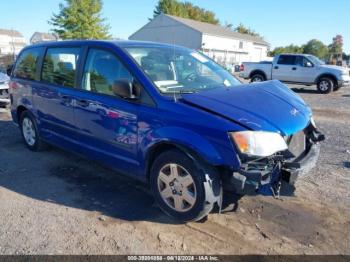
(13, 45)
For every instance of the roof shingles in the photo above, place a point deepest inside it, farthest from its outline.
(217, 30)
(13, 33)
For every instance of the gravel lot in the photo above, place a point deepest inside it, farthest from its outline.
(54, 202)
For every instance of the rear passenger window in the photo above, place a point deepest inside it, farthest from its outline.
(60, 65)
(101, 70)
(27, 64)
(286, 60)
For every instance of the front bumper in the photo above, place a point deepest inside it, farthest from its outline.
(260, 174)
(344, 81)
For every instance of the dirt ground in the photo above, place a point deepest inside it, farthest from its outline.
(54, 202)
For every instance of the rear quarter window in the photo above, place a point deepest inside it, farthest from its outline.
(27, 64)
(60, 66)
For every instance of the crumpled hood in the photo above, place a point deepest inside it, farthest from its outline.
(267, 106)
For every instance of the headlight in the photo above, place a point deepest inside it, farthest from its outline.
(259, 143)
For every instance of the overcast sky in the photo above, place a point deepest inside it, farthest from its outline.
(281, 22)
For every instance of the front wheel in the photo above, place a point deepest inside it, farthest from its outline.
(325, 85)
(183, 187)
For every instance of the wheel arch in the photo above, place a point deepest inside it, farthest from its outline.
(163, 146)
(19, 111)
(329, 75)
(258, 71)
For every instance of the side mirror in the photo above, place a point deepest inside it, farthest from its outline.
(125, 89)
(309, 64)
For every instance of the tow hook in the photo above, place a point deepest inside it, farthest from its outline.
(210, 198)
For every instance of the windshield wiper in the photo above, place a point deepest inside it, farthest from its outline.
(181, 91)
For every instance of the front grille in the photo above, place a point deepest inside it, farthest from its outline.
(297, 144)
(4, 93)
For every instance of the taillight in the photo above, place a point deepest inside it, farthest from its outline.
(241, 68)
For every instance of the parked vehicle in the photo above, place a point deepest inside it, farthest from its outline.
(166, 115)
(4, 90)
(300, 69)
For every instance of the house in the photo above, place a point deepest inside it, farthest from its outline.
(11, 42)
(222, 44)
(38, 37)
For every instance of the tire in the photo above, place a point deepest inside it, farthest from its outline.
(30, 132)
(325, 85)
(257, 78)
(185, 197)
(336, 88)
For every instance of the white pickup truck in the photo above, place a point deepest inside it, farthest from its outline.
(300, 69)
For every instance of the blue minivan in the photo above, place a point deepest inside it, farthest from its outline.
(166, 115)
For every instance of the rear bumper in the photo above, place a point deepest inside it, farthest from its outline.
(253, 178)
(243, 75)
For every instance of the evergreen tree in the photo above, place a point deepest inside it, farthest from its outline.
(80, 19)
(245, 30)
(185, 10)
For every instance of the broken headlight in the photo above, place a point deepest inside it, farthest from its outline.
(258, 143)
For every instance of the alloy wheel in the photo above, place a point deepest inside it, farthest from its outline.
(28, 131)
(176, 187)
(257, 79)
(324, 85)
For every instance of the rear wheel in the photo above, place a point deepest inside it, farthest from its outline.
(183, 187)
(30, 132)
(325, 85)
(257, 78)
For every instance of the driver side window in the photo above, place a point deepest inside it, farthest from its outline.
(102, 69)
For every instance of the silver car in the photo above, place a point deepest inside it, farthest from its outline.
(4, 90)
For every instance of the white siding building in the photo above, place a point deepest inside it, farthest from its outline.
(220, 43)
(11, 42)
(39, 37)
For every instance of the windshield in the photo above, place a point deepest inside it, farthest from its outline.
(315, 60)
(174, 69)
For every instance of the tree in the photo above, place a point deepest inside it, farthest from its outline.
(317, 48)
(185, 10)
(245, 30)
(295, 49)
(336, 49)
(80, 19)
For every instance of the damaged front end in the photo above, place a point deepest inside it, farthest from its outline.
(259, 174)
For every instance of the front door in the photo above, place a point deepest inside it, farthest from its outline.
(107, 123)
(305, 70)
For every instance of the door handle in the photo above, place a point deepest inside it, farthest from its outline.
(294, 68)
(83, 103)
(276, 67)
(65, 98)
